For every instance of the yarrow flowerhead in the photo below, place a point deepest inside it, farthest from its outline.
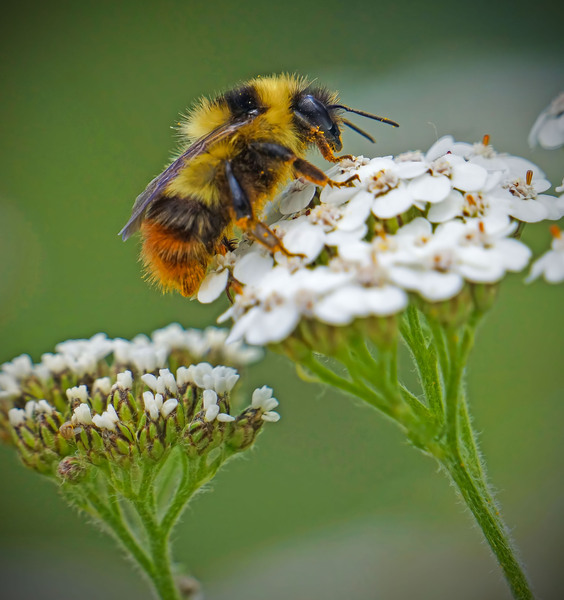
(106, 400)
(431, 225)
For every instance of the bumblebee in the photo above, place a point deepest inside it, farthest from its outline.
(241, 148)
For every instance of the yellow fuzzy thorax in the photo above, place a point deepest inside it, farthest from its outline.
(275, 93)
(274, 125)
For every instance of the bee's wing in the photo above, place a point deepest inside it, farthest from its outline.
(160, 182)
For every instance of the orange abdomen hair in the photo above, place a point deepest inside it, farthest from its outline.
(173, 263)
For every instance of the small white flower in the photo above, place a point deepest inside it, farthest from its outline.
(548, 130)
(9, 387)
(77, 393)
(198, 372)
(56, 363)
(168, 382)
(153, 404)
(103, 385)
(43, 406)
(150, 381)
(16, 417)
(107, 420)
(124, 380)
(210, 407)
(221, 379)
(18, 368)
(263, 400)
(551, 264)
(82, 415)
(30, 409)
(98, 346)
(183, 377)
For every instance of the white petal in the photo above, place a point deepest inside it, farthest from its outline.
(168, 407)
(225, 418)
(432, 285)
(393, 203)
(418, 228)
(345, 238)
(211, 413)
(410, 168)
(270, 417)
(209, 398)
(16, 416)
(553, 205)
(468, 177)
(385, 301)
(440, 148)
(273, 325)
(446, 210)
(481, 266)
(528, 211)
(430, 188)
(340, 307)
(305, 239)
(355, 212)
(150, 381)
(514, 254)
(252, 267)
(213, 286)
(296, 197)
(337, 196)
(551, 133)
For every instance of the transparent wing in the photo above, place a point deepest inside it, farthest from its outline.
(154, 190)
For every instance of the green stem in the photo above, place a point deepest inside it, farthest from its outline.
(163, 579)
(461, 460)
(490, 523)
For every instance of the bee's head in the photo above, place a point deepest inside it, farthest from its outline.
(318, 111)
(313, 113)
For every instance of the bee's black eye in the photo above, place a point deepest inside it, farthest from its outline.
(243, 101)
(313, 111)
(310, 111)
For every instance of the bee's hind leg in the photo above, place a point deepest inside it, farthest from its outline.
(245, 218)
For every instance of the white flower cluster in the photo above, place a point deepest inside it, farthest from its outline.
(142, 354)
(419, 223)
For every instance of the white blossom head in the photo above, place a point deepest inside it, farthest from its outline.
(431, 224)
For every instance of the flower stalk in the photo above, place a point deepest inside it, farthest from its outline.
(438, 422)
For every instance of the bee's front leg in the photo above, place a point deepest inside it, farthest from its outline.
(302, 167)
(326, 151)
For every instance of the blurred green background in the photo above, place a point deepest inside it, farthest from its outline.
(333, 504)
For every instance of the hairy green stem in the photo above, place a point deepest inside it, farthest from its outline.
(441, 426)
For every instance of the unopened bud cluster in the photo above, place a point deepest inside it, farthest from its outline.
(101, 401)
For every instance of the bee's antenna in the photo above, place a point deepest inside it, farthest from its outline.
(358, 130)
(365, 114)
